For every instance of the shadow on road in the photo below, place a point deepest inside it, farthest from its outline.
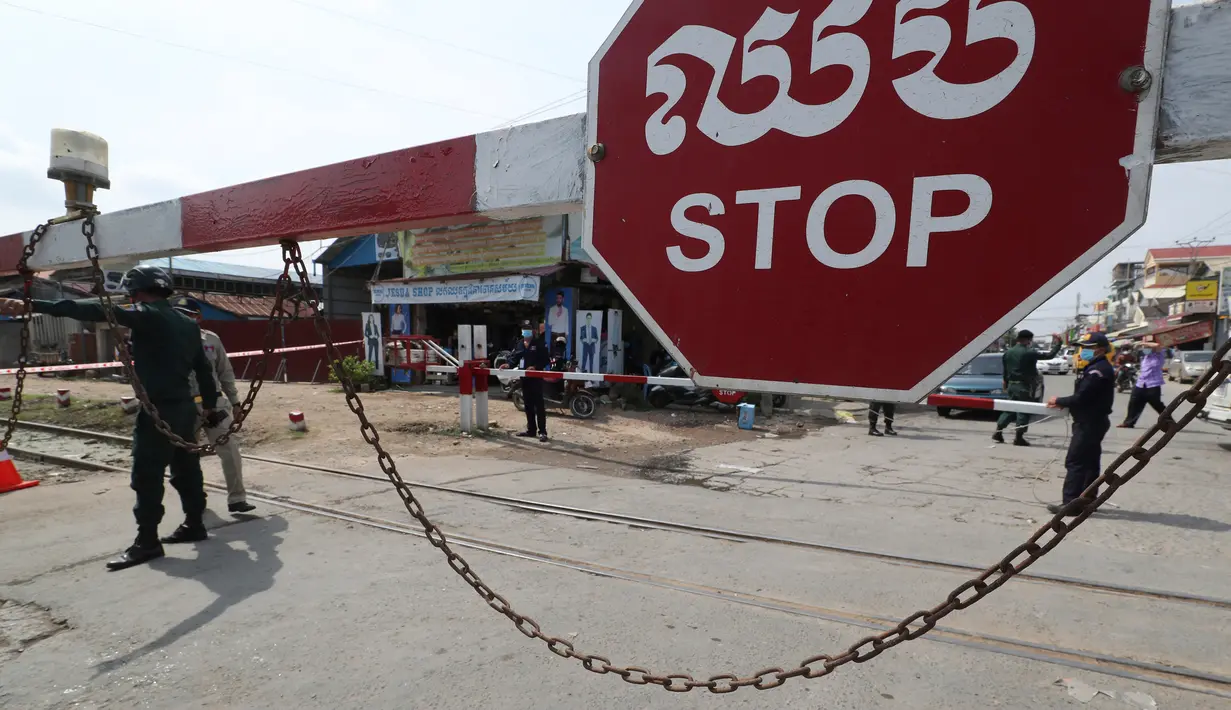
(1175, 520)
(230, 572)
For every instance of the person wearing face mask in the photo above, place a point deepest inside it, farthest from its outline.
(1090, 406)
(531, 354)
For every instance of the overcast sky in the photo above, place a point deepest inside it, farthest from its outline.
(193, 96)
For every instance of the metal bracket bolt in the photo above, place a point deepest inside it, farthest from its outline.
(596, 152)
(1136, 80)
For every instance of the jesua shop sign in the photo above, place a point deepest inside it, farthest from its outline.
(507, 288)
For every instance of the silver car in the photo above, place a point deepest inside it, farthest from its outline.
(1188, 365)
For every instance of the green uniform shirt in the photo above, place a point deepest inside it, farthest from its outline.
(1021, 363)
(166, 346)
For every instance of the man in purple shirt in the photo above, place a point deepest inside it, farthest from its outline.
(1149, 387)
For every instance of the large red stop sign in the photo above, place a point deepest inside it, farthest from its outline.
(853, 197)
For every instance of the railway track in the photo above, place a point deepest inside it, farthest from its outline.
(1180, 678)
(700, 530)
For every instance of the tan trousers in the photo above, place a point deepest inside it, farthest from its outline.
(228, 455)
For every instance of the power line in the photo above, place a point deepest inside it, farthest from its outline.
(244, 60)
(558, 103)
(1204, 227)
(434, 40)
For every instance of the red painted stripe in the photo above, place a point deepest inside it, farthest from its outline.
(947, 400)
(10, 252)
(630, 379)
(425, 186)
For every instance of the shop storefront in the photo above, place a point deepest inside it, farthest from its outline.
(502, 274)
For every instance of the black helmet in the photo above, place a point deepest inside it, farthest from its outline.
(148, 279)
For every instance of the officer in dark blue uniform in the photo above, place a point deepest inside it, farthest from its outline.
(531, 354)
(1090, 405)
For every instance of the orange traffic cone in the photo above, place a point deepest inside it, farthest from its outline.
(10, 480)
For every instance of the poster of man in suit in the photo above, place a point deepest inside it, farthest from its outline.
(589, 328)
(373, 341)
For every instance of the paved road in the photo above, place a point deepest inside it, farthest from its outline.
(290, 609)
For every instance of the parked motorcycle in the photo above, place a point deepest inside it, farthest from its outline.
(572, 395)
(661, 396)
(1125, 378)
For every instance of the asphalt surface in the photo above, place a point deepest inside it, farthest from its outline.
(291, 609)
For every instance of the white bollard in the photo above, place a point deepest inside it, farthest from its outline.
(298, 422)
(130, 405)
(6, 393)
(63, 400)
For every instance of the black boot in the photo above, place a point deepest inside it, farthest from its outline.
(143, 549)
(241, 507)
(1071, 509)
(190, 531)
(998, 437)
(873, 432)
(1020, 440)
(890, 430)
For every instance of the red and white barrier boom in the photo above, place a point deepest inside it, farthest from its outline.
(112, 365)
(997, 405)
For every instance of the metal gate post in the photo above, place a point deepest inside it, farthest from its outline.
(465, 383)
(481, 377)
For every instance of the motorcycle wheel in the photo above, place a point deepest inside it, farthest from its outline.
(660, 399)
(582, 405)
(519, 400)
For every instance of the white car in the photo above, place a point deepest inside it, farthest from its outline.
(1059, 365)
(1218, 406)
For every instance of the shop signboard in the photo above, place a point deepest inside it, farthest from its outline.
(1183, 334)
(1203, 290)
(386, 244)
(775, 169)
(1193, 307)
(473, 249)
(517, 287)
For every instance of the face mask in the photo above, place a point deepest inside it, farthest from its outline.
(526, 334)
(1087, 355)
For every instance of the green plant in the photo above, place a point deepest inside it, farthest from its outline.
(359, 371)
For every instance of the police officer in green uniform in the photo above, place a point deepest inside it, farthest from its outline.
(1021, 378)
(166, 350)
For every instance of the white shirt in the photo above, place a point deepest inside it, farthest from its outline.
(557, 320)
(397, 323)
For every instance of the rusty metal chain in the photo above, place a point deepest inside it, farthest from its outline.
(912, 627)
(275, 320)
(23, 357)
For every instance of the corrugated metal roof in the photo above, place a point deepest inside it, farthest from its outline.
(185, 265)
(249, 306)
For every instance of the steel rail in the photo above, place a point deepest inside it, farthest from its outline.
(705, 531)
(1170, 676)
